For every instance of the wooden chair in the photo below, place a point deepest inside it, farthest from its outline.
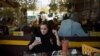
(88, 50)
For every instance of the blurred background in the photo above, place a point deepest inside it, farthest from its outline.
(15, 14)
(19, 19)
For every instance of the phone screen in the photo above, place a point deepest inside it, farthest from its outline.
(38, 38)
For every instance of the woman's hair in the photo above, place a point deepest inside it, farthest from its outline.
(48, 25)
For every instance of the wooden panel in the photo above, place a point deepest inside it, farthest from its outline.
(71, 43)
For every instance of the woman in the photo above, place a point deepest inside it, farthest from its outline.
(45, 41)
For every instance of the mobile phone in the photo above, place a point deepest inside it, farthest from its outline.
(38, 38)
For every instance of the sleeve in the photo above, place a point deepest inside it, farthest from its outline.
(32, 39)
(55, 46)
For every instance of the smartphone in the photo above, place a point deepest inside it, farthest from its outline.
(38, 38)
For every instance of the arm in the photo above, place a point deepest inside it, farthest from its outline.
(57, 37)
(58, 41)
(31, 46)
(33, 43)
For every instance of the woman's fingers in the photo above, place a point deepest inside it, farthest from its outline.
(37, 42)
(54, 32)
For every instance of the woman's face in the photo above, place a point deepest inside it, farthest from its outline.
(44, 29)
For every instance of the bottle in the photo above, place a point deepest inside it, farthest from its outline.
(64, 47)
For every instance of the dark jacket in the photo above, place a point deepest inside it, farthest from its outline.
(46, 45)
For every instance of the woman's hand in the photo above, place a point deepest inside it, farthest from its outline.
(55, 32)
(36, 42)
(57, 37)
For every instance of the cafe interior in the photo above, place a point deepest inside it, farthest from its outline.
(17, 17)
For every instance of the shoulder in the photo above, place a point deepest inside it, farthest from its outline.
(77, 23)
(64, 21)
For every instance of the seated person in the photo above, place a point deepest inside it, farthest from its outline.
(45, 41)
(70, 27)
